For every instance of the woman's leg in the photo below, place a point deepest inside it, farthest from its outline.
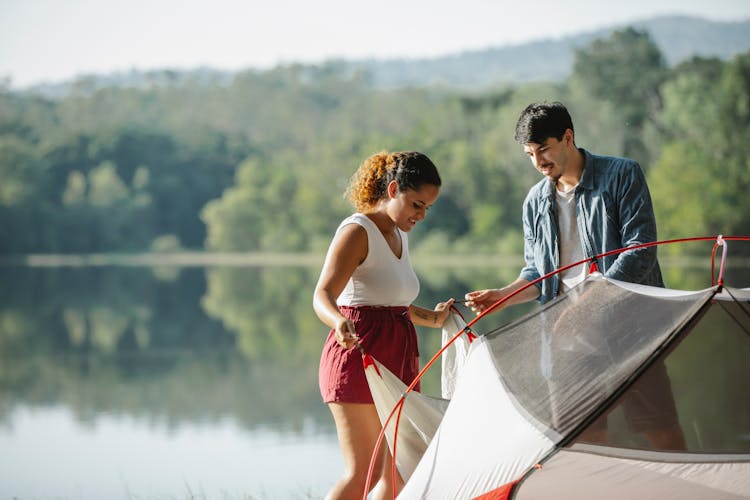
(358, 428)
(384, 488)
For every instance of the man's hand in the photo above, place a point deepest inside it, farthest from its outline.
(481, 300)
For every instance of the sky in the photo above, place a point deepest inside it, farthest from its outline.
(56, 40)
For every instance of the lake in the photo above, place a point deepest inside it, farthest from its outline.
(185, 381)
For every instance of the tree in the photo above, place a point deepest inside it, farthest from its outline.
(705, 153)
(735, 120)
(625, 69)
(234, 222)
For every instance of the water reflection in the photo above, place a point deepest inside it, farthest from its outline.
(138, 382)
(127, 382)
(50, 454)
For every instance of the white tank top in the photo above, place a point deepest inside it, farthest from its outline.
(382, 279)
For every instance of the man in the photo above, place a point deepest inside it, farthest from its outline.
(586, 205)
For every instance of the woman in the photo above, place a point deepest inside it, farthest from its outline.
(364, 294)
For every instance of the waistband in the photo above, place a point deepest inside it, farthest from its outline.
(392, 310)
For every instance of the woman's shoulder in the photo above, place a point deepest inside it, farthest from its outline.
(351, 238)
(358, 219)
(356, 226)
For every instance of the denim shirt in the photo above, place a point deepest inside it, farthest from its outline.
(613, 210)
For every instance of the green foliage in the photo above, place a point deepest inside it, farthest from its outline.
(682, 170)
(22, 171)
(166, 243)
(626, 70)
(702, 174)
(260, 163)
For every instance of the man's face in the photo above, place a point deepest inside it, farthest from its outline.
(551, 156)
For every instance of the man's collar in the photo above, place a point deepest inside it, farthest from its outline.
(587, 176)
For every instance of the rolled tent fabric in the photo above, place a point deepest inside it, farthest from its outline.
(419, 417)
(454, 356)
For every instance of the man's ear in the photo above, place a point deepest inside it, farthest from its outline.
(569, 137)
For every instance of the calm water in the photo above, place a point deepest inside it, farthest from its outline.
(176, 383)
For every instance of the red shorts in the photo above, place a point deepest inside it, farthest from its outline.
(385, 333)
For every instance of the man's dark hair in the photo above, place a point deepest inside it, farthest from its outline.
(542, 120)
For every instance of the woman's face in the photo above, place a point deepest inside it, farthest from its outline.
(406, 208)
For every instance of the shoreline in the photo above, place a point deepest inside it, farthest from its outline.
(304, 259)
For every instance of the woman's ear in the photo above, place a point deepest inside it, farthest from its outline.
(392, 189)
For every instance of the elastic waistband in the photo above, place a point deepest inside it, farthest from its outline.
(393, 310)
(378, 308)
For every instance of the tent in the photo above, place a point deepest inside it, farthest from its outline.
(570, 402)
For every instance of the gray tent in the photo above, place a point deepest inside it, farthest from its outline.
(612, 391)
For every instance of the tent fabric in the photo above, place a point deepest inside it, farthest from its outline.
(526, 388)
(420, 415)
(708, 368)
(591, 476)
(562, 362)
(454, 356)
(483, 441)
(524, 395)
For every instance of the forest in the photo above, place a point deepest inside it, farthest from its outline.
(259, 162)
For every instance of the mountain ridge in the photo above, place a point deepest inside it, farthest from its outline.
(551, 59)
(679, 37)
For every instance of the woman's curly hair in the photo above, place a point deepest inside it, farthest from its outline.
(369, 184)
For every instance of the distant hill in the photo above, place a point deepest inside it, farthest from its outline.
(678, 37)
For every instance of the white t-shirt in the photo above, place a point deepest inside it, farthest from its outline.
(571, 249)
(382, 279)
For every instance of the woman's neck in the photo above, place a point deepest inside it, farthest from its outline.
(382, 220)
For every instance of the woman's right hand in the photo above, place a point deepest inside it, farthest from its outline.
(345, 334)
